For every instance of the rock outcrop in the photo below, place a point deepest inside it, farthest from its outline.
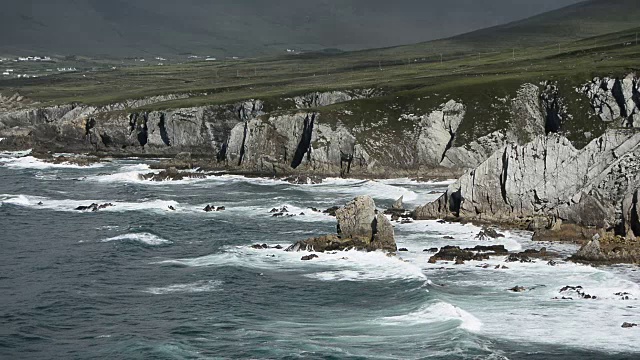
(360, 227)
(615, 100)
(340, 132)
(549, 183)
(547, 177)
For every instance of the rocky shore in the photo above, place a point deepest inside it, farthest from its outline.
(560, 192)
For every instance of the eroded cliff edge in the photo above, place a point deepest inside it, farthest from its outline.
(347, 132)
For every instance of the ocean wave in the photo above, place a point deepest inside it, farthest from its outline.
(438, 312)
(195, 287)
(22, 153)
(143, 238)
(374, 188)
(70, 205)
(133, 174)
(336, 266)
(30, 162)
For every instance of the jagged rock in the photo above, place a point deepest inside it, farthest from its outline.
(359, 227)
(546, 179)
(518, 289)
(437, 131)
(172, 174)
(615, 99)
(452, 253)
(303, 180)
(590, 251)
(94, 207)
(488, 233)
(309, 257)
(331, 211)
(398, 204)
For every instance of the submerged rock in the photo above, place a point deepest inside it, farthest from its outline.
(309, 257)
(171, 174)
(94, 207)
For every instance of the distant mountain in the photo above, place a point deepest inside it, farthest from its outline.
(582, 20)
(120, 28)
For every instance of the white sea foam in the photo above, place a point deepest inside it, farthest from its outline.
(39, 202)
(133, 174)
(374, 188)
(195, 287)
(30, 162)
(338, 266)
(438, 312)
(6, 154)
(144, 238)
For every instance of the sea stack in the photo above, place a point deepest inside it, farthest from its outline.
(359, 227)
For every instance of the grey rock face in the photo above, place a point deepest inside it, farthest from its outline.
(615, 99)
(591, 251)
(398, 204)
(356, 218)
(547, 177)
(437, 132)
(319, 99)
(359, 227)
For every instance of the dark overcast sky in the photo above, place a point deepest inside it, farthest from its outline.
(245, 26)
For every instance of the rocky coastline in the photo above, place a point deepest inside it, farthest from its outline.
(529, 175)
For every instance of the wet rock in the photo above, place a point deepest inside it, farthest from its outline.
(518, 289)
(309, 257)
(576, 291)
(520, 257)
(359, 227)
(221, 208)
(488, 233)
(628, 325)
(490, 250)
(331, 211)
(172, 208)
(552, 263)
(591, 251)
(448, 237)
(172, 174)
(433, 250)
(260, 246)
(459, 261)
(303, 179)
(403, 249)
(453, 253)
(94, 207)
(209, 208)
(406, 221)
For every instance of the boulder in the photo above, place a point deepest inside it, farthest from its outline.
(590, 251)
(359, 227)
(398, 204)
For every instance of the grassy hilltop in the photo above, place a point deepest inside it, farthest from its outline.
(568, 46)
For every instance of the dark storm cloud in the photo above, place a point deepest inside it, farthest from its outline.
(245, 26)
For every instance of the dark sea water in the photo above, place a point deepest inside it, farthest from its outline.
(137, 281)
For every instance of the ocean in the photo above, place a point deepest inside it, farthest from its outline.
(140, 281)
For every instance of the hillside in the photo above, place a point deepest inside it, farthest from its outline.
(240, 28)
